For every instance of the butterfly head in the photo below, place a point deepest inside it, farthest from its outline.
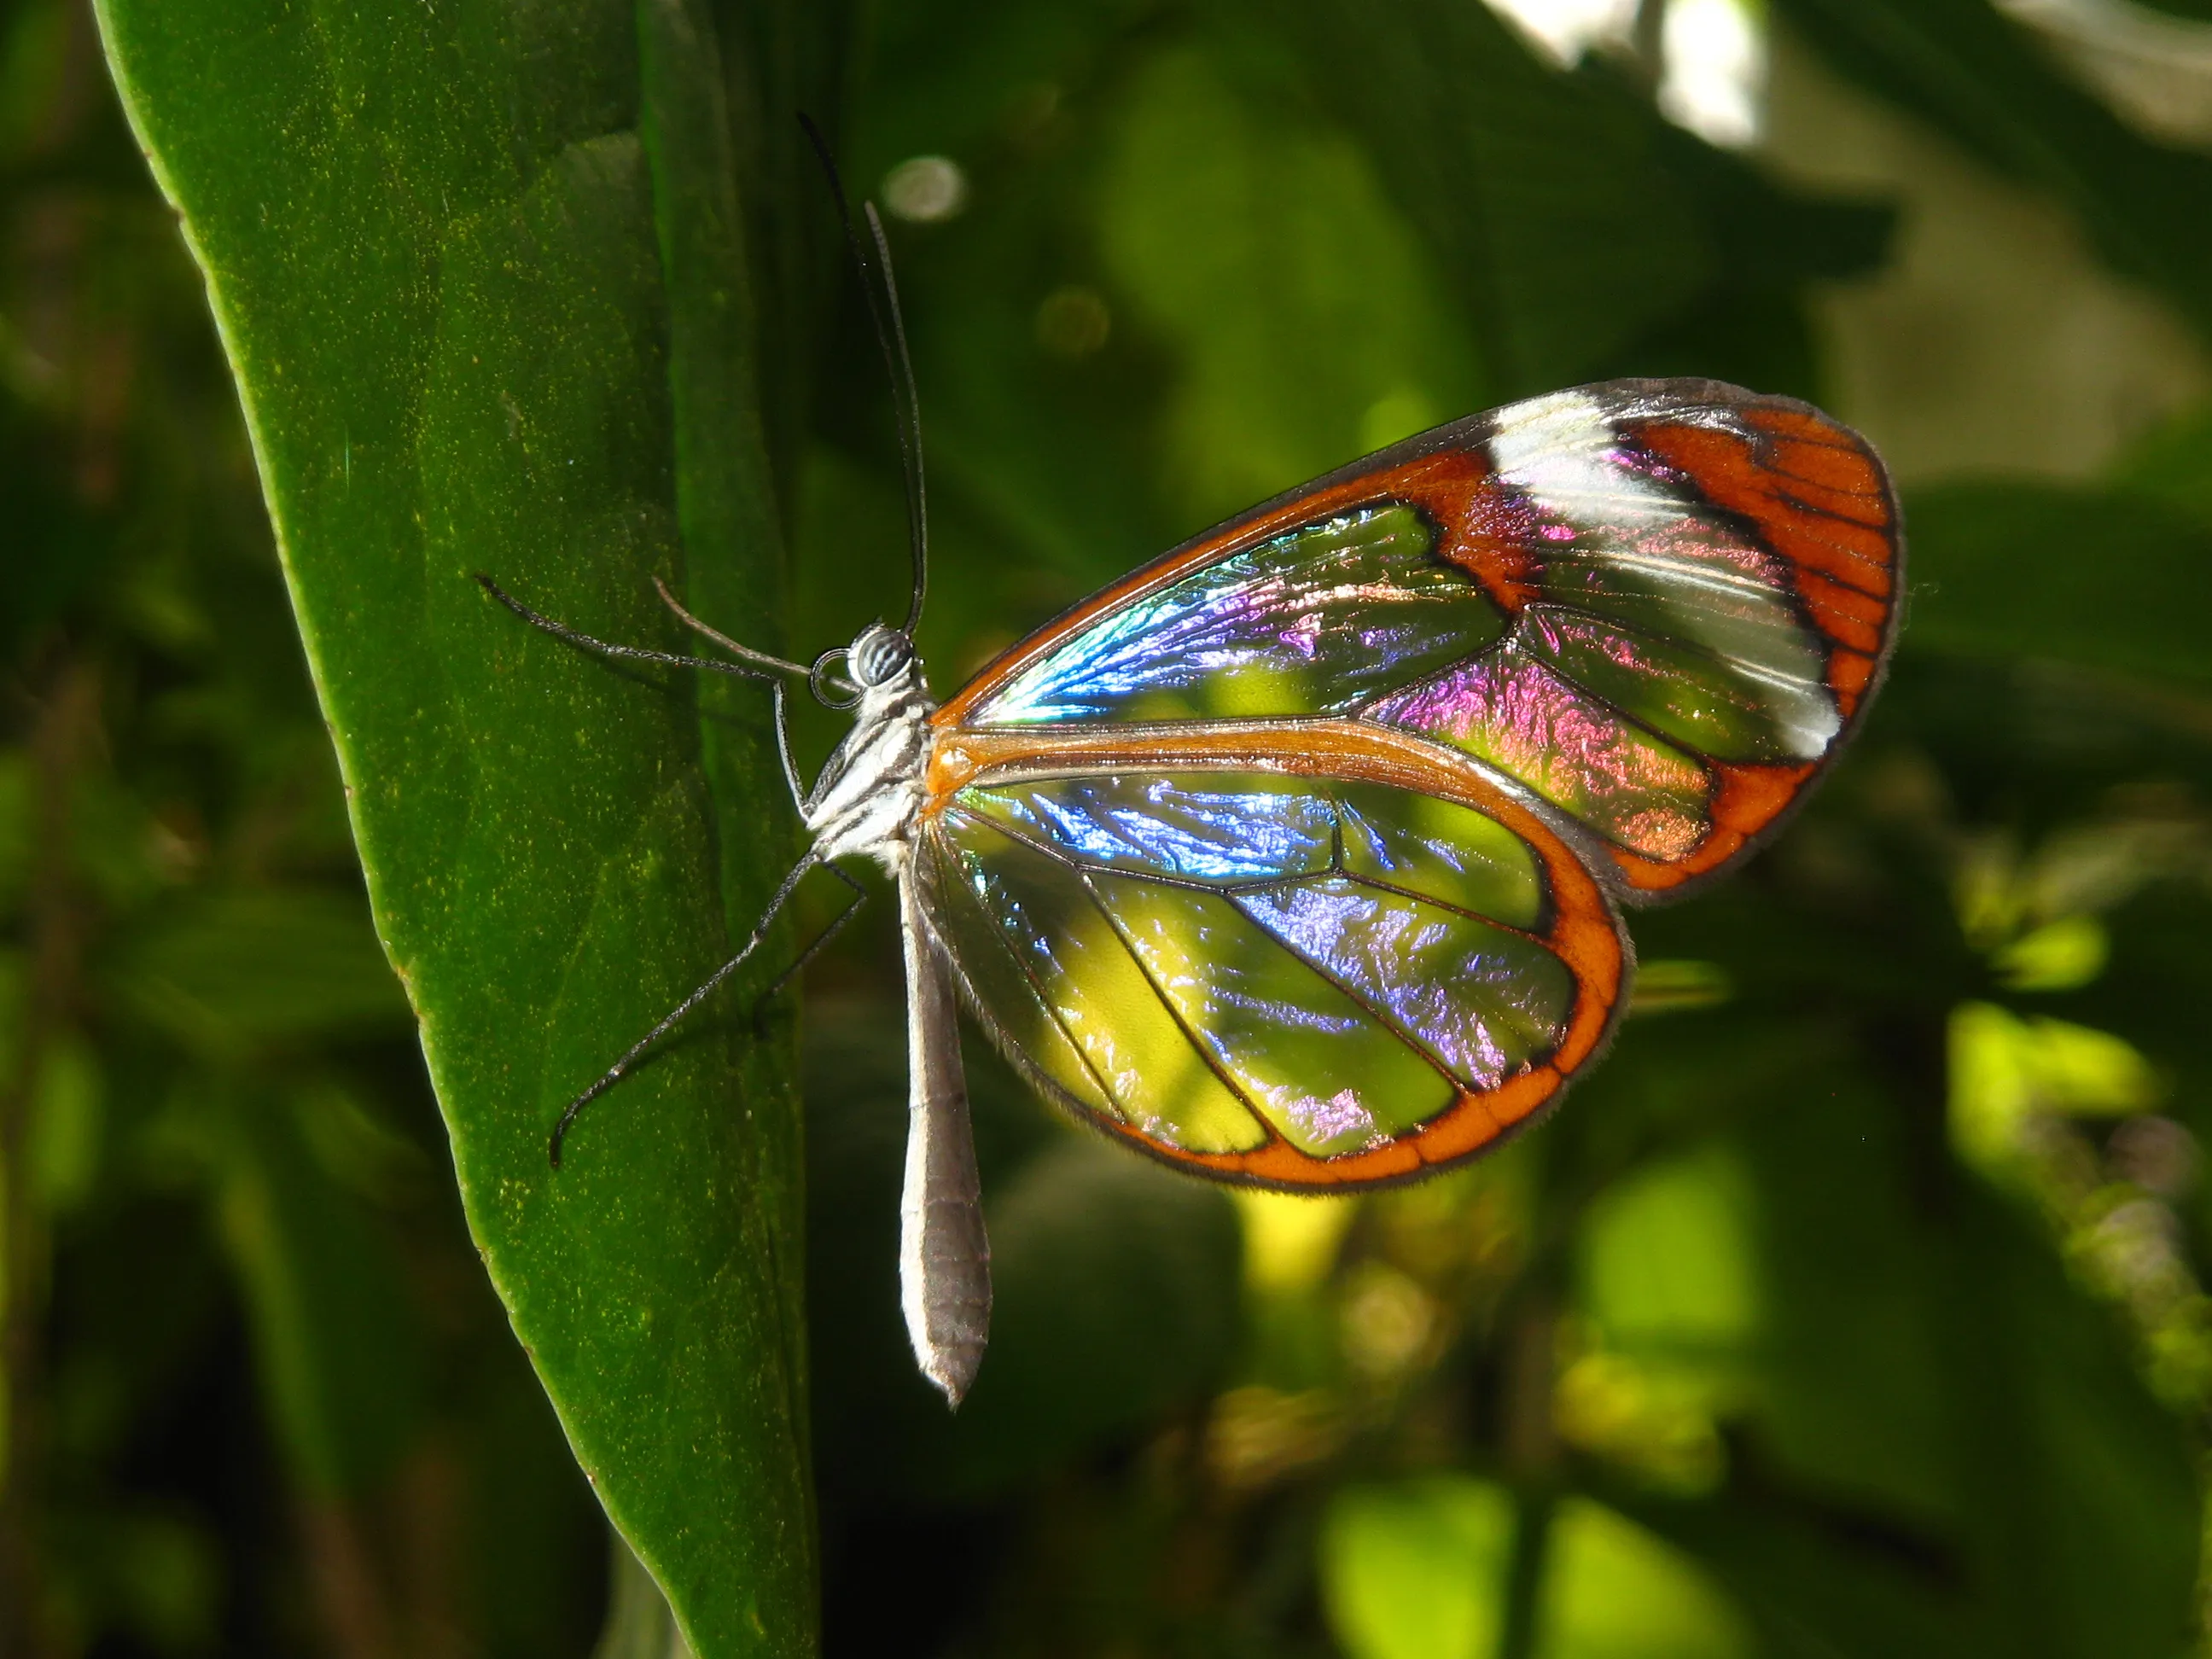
(877, 660)
(878, 656)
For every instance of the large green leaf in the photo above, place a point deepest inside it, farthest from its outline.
(482, 276)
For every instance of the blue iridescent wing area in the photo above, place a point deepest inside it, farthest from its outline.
(1658, 606)
(1284, 981)
(1317, 620)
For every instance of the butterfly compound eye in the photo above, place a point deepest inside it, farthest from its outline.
(879, 654)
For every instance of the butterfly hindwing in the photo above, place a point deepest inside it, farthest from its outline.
(1283, 981)
(1657, 605)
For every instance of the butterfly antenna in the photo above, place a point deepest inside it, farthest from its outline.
(745, 652)
(874, 264)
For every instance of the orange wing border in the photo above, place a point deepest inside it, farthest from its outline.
(1584, 927)
(1820, 500)
(1812, 492)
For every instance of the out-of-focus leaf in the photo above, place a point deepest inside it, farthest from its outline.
(972, 74)
(64, 1143)
(1987, 725)
(1668, 1298)
(2159, 980)
(1338, 341)
(1667, 1262)
(1543, 197)
(2099, 578)
(228, 973)
(779, 57)
(531, 1528)
(2082, 1483)
(1936, 1392)
(1416, 1569)
(16, 825)
(1964, 68)
(1612, 1590)
(1827, 1578)
(2005, 1069)
(474, 272)
(339, 1349)
(2173, 464)
(76, 544)
(155, 1571)
(1046, 456)
(1579, 233)
(1750, 322)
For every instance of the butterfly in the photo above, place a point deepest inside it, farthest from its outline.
(1296, 858)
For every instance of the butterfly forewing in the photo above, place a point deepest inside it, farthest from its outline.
(1657, 604)
(1282, 981)
(1317, 620)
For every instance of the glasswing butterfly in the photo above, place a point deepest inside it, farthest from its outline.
(1296, 859)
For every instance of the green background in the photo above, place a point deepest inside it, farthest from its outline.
(1854, 1307)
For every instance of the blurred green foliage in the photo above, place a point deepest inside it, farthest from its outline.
(1854, 1307)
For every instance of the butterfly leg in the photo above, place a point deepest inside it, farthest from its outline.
(616, 1073)
(791, 779)
(814, 948)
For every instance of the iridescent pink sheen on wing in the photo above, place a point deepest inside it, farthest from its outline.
(1575, 750)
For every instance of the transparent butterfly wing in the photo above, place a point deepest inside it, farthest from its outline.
(1659, 606)
(1282, 981)
(1293, 857)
